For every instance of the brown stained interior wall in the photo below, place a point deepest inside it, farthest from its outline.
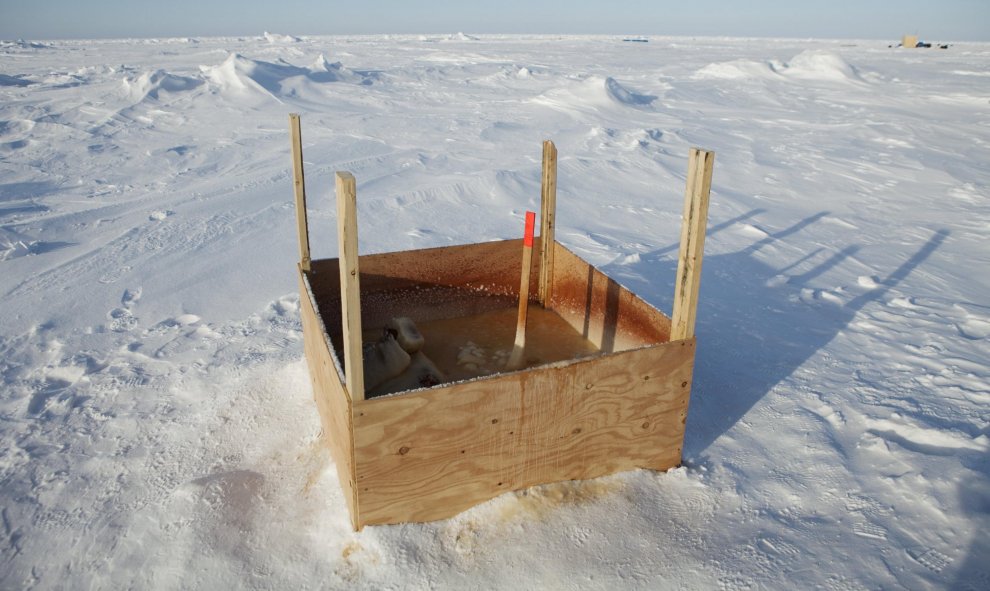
(604, 312)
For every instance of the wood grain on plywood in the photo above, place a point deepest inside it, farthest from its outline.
(430, 454)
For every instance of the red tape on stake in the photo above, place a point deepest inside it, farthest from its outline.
(530, 223)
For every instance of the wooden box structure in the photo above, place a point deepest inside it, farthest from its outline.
(431, 453)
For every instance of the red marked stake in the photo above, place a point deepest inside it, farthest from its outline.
(517, 358)
(530, 227)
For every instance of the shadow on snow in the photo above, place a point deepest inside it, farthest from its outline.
(753, 329)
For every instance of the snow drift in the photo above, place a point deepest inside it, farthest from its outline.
(740, 69)
(152, 84)
(242, 78)
(276, 38)
(594, 92)
(240, 75)
(820, 65)
(807, 65)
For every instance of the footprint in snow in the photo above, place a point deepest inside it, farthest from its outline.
(114, 274)
(930, 558)
(775, 546)
(869, 530)
(121, 320)
(130, 297)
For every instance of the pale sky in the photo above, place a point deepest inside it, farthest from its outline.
(933, 20)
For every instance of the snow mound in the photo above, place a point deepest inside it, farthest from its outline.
(507, 75)
(740, 69)
(807, 65)
(240, 77)
(462, 37)
(152, 84)
(820, 65)
(595, 92)
(276, 38)
(321, 70)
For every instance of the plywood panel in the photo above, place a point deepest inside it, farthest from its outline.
(490, 266)
(431, 454)
(332, 401)
(607, 314)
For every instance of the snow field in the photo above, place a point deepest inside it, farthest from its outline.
(158, 428)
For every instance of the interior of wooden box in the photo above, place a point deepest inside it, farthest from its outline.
(467, 295)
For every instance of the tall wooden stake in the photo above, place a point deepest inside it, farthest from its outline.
(516, 359)
(548, 221)
(350, 284)
(299, 186)
(695, 220)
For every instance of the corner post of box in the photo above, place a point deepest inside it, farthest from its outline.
(350, 284)
(299, 187)
(548, 222)
(696, 196)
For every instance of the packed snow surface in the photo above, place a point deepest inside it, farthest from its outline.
(158, 429)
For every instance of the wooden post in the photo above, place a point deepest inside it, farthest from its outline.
(517, 359)
(299, 186)
(695, 220)
(548, 221)
(350, 284)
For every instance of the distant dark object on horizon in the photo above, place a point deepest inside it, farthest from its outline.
(922, 44)
(912, 41)
(636, 40)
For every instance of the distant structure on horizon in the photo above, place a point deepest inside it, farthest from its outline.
(911, 41)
